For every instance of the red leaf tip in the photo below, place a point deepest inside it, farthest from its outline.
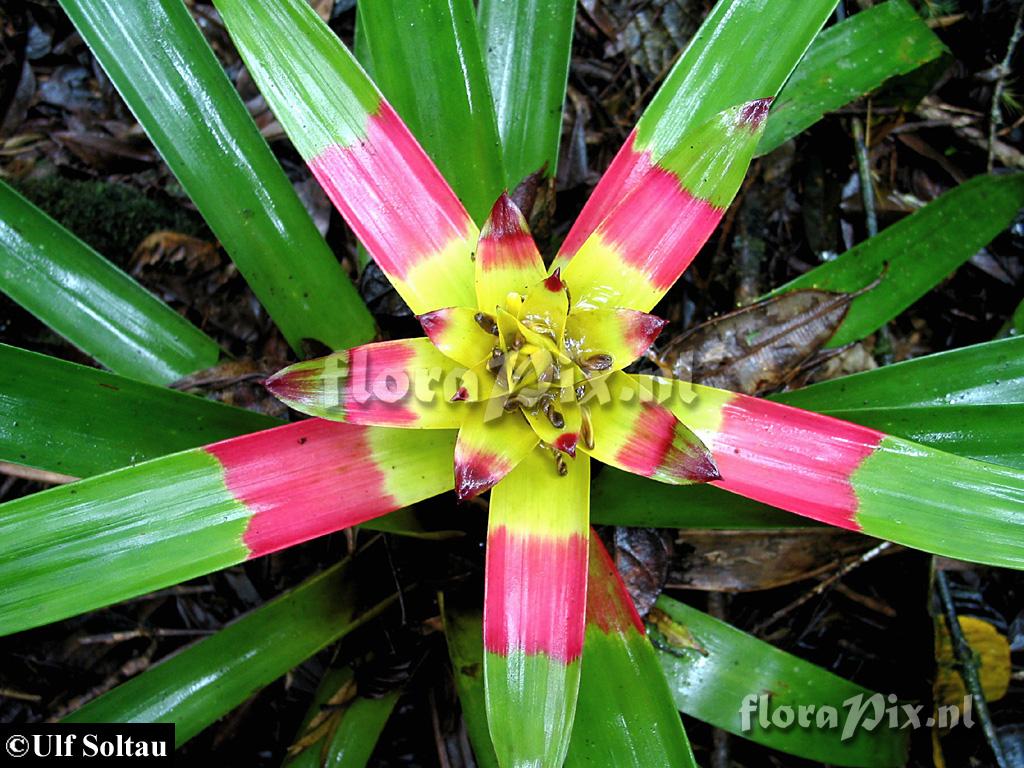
(504, 221)
(566, 443)
(553, 282)
(754, 112)
(286, 384)
(472, 478)
(702, 468)
(432, 322)
(647, 330)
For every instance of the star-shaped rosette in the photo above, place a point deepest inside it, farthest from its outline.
(519, 387)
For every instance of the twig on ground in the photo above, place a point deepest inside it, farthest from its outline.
(821, 586)
(995, 117)
(969, 668)
(36, 475)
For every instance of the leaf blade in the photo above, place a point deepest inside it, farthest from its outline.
(737, 667)
(991, 373)
(206, 680)
(160, 63)
(92, 303)
(528, 44)
(642, 728)
(846, 61)
(761, 44)
(910, 257)
(91, 543)
(365, 158)
(428, 63)
(51, 409)
(534, 607)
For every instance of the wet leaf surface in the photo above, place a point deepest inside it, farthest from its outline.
(63, 127)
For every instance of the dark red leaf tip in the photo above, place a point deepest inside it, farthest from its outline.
(433, 322)
(505, 220)
(754, 112)
(702, 469)
(286, 385)
(566, 443)
(649, 327)
(460, 395)
(553, 282)
(472, 478)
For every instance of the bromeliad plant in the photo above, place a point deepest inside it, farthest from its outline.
(521, 378)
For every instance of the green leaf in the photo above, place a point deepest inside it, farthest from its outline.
(742, 53)
(84, 545)
(527, 45)
(912, 256)
(92, 303)
(351, 729)
(745, 50)
(80, 421)
(205, 681)
(374, 171)
(714, 669)
(625, 715)
(622, 498)
(158, 60)
(913, 399)
(847, 61)
(427, 62)
(464, 632)
(985, 432)
(983, 374)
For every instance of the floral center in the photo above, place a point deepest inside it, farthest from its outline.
(539, 367)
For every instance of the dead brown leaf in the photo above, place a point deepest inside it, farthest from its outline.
(642, 558)
(175, 248)
(758, 348)
(747, 560)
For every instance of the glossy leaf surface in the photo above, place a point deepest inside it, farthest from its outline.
(159, 61)
(362, 154)
(625, 715)
(92, 303)
(80, 421)
(985, 382)
(912, 256)
(205, 681)
(762, 41)
(982, 374)
(527, 44)
(427, 62)
(847, 61)
(191, 513)
(713, 668)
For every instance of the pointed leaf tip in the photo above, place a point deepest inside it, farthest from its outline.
(566, 443)
(433, 323)
(505, 220)
(754, 112)
(472, 478)
(554, 282)
(291, 383)
(701, 468)
(647, 329)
